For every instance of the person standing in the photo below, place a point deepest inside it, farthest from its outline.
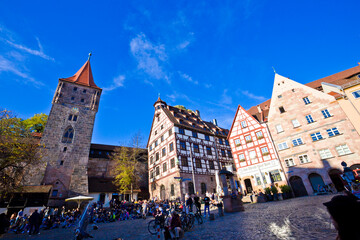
(189, 204)
(197, 203)
(175, 226)
(34, 221)
(207, 205)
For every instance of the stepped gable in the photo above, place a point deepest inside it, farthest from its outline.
(340, 78)
(83, 77)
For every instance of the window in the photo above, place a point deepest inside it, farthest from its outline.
(282, 110)
(150, 147)
(203, 188)
(164, 167)
(304, 158)
(248, 138)
(221, 141)
(223, 153)
(157, 170)
(162, 138)
(54, 193)
(157, 156)
(227, 143)
(316, 136)
(325, 113)
(172, 190)
(309, 118)
(61, 162)
(68, 135)
(241, 157)
(207, 137)
(306, 100)
(194, 134)
(184, 161)
(182, 145)
(297, 142)
(295, 123)
(332, 132)
(282, 146)
(279, 96)
(171, 147)
(264, 151)
(259, 135)
(325, 153)
(208, 151)
(181, 131)
(156, 143)
(343, 150)
(279, 128)
(163, 152)
(198, 163)
(289, 162)
(75, 89)
(243, 124)
(356, 94)
(155, 132)
(158, 118)
(172, 162)
(252, 154)
(65, 148)
(229, 153)
(151, 160)
(162, 127)
(170, 132)
(196, 148)
(151, 174)
(211, 164)
(237, 142)
(72, 98)
(275, 176)
(70, 117)
(82, 100)
(84, 91)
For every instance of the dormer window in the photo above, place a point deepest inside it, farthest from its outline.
(75, 89)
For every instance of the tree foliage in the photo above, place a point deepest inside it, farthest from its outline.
(130, 166)
(36, 123)
(18, 150)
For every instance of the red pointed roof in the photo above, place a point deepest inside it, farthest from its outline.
(83, 76)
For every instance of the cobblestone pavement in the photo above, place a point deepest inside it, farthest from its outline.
(300, 218)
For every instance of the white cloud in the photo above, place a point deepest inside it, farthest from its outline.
(9, 66)
(39, 53)
(226, 99)
(150, 57)
(188, 78)
(253, 96)
(207, 85)
(183, 45)
(117, 82)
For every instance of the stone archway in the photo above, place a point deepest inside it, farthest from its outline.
(316, 180)
(335, 177)
(162, 192)
(298, 186)
(191, 188)
(248, 185)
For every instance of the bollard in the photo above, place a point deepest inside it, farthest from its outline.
(158, 231)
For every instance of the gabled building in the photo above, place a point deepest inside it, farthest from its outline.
(185, 153)
(312, 134)
(256, 160)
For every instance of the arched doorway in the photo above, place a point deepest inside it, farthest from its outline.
(248, 185)
(191, 188)
(335, 177)
(298, 186)
(316, 181)
(162, 192)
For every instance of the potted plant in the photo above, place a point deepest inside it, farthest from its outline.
(286, 191)
(274, 191)
(269, 197)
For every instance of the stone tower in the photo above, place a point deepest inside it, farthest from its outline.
(67, 135)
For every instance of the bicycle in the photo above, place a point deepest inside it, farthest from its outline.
(158, 221)
(198, 218)
(187, 221)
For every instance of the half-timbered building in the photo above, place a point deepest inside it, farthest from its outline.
(185, 153)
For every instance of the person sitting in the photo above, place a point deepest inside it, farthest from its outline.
(175, 226)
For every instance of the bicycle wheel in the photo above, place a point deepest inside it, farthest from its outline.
(152, 227)
(199, 219)
(191, 221)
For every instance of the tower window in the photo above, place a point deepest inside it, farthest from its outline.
(84, 91)
(68, 135)
(75, 89)
(72, 98)
(70, 117)
(282, 110)
(61, 162)
(65, 148)
(82, 100)
(75, 118)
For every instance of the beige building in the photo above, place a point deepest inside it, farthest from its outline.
(312, 134)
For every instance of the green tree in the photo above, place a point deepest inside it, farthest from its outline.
(18, 150)
(130, 166)
(36, 123)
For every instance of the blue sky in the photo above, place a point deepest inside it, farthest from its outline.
(206, 55)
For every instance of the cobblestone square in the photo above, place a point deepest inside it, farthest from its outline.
(299, 218)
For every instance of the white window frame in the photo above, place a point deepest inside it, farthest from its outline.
(317, 135)
(300, 157)
(288, 161)
(333, 132)
(283, 146)
(252, 155)
(241, 157)
(297, 141)
(295, 123)
(309, 118)
(237, 142)
(356, 94)
(342, 149)
(326, 113)
(248, 139)
(243, 124)
(259, 136)
(264, 150)
(279, 128)
(306, 100)
(325, 153)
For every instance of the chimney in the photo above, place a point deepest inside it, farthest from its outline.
(197, 113)
(214, 122)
